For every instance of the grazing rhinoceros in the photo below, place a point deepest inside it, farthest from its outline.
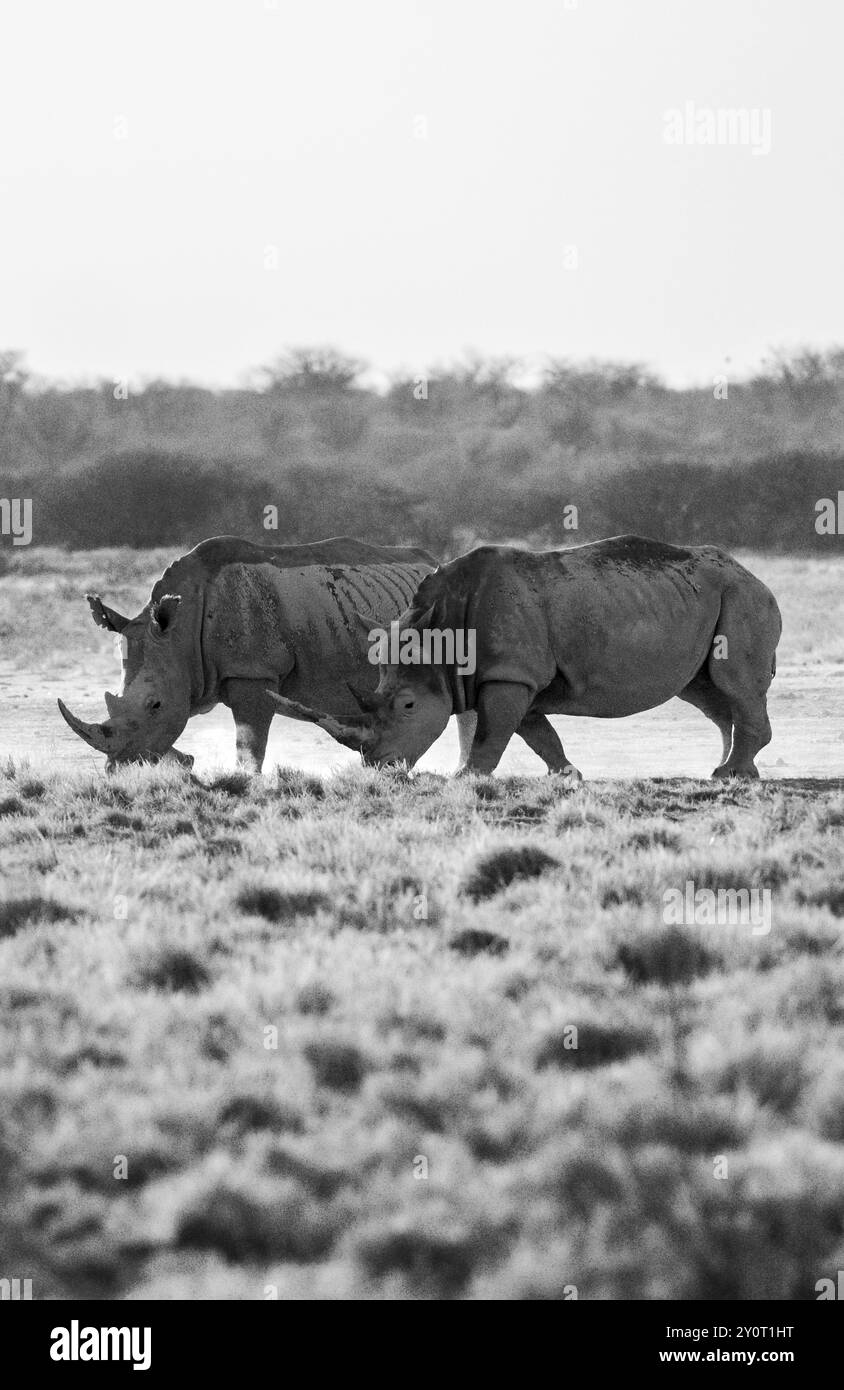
(606, 630)
(230, 619)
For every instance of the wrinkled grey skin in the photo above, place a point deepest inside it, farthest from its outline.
(607, 629)
(238, 623)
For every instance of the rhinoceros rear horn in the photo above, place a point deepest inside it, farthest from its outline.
(97, 735)
(106, 617)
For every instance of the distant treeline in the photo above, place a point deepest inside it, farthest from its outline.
(436, 460)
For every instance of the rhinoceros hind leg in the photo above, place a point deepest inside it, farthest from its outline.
(752, 731)
(741, 665)
(714, 704)
(253, 712)
(542, 738)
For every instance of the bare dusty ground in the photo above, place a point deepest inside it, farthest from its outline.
(806, 708)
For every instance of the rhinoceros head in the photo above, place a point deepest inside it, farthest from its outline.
(413, 699)
(407, 713)
(153, 707)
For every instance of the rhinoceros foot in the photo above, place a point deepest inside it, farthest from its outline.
(749, 772)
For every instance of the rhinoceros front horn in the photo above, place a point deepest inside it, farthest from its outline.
(97, 735)
(353, 733)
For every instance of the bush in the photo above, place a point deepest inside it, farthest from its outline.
(472, 455)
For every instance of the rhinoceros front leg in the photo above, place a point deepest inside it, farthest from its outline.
(467, 723)
(253, 712)
(502, 705)
(540, 735)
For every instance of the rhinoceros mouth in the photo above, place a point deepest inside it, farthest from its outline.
(173, 756)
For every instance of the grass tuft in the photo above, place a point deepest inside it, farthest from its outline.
(276, 905)
(474, 942)
(17, 913)
(341, 1066)
(591, 1045)
(496, 871)
(234, 783)
(438, 1264)
(175, 971)
(315, 998)
(666, 956)
(247, 1114)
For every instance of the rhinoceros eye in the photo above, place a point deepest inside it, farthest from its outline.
(409, 703)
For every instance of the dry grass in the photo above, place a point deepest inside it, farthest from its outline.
(329, 1027)
(365, 1037)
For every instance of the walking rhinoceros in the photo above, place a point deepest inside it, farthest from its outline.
(231, 619)
(606, 629)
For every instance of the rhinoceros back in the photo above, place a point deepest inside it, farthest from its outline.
(300, 624)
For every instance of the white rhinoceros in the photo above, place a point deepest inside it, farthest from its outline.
(231, 619)
(606, 629)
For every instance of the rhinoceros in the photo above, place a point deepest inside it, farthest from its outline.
(231, 619)
(606, 629)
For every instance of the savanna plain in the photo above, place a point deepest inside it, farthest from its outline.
(340, 1033)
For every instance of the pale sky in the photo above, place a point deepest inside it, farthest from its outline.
(419, 172)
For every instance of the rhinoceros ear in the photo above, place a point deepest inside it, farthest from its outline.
(163, 612)
(106, 617)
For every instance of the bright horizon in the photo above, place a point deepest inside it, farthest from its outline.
(191, 189)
